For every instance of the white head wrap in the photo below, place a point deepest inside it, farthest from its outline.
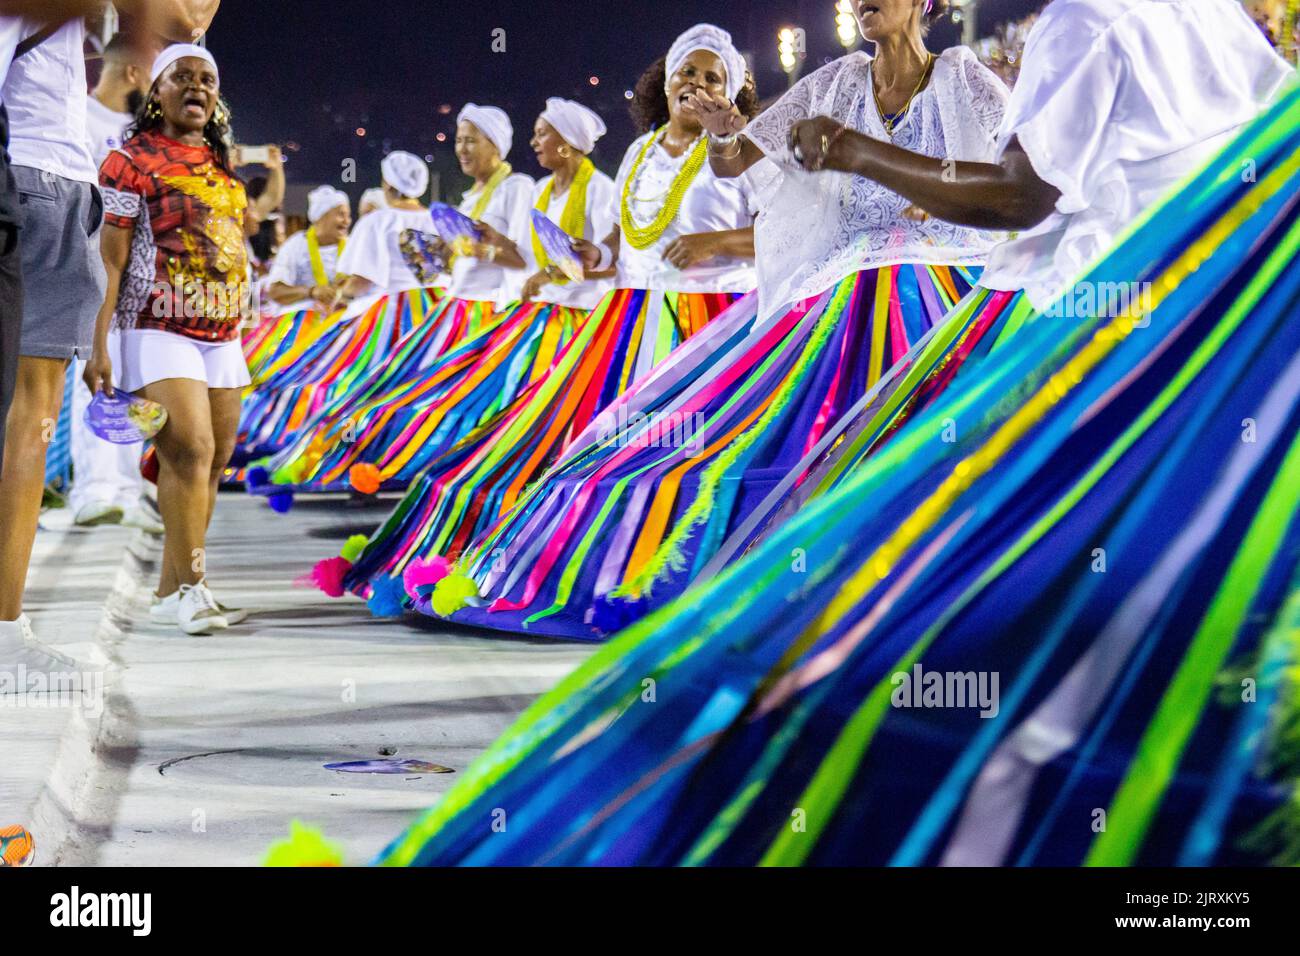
(406, 173)
(705, 36)
(372, 197)
(579, 126)
(323, 200)
(492, 123)
(179, 51)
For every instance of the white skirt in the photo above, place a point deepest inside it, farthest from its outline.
(152, 355)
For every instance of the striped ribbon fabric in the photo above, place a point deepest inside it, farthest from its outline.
(1051, 621)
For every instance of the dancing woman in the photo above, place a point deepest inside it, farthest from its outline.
(797, 684)
(577, 197)
(849, 280)
(681, 253)
(306, 267)
(173, 240)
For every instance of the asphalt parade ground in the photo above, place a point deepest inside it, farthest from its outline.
(177, 750)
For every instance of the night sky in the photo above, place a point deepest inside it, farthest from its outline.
(309, 73)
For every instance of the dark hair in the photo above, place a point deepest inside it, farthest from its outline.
(649, 107)
(265, 243)
(217, 133)
(938, 11)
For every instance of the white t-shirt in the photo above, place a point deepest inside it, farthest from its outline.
(482, 281)
(599, 221)
(292, 264)
(710, 205)
(818, 228)
(45, 93)
(106, 128)
(374, 249)
(1118, 102)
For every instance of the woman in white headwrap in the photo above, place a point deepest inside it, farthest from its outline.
(466, 360)
(373, 260)
(383, 301)
(496, 202)
(577, 197)
(640, 502)
(306, 266)
(679, 243)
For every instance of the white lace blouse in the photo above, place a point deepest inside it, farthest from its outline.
(818, 228)
(1117, 103)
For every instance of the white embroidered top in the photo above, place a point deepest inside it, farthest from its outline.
(819, 228)
(600, 199)
(374, 249)
(710, 205)
(1117, 103)
(292, 264)
(479, 279)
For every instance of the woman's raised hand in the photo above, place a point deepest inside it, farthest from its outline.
(718, 115)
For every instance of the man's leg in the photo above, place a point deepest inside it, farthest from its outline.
(29, 430)
(11, 318)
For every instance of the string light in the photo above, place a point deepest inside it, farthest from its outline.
(846, 24)
(786, 48)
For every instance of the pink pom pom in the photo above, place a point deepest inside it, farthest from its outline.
(329, 574)
(421, 572)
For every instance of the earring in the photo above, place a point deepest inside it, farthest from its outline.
(564, 152)
(222, 115)
(152, 110)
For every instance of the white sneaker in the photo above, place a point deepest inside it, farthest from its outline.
(165, 610)
(20, 649)
(97, 513)
(197, 612)
(137, 517)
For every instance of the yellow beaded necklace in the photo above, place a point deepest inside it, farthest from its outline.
(643, 237)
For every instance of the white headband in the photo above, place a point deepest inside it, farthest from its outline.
(492, 123)
(579, 126)
(324, 200)
(406, 173)
(180, 51)
(706, 36)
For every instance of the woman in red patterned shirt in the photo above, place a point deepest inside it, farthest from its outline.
(173, 245)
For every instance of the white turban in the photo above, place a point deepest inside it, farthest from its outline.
(492, 123)
(372, 197)
(705, 36)
(324, 200)
(406, 173)
(579, 126)
(179, 51)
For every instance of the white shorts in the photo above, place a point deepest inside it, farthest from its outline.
(152, 355)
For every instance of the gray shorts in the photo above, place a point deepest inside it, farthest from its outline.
(63, 272)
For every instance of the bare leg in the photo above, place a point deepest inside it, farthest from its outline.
(29, 430)
(186, 450)
(224, 404)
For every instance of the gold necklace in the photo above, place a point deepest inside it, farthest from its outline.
(885, 121)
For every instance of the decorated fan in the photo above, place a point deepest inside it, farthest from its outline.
(455, 228)
(558, 245)
(124, 419)
(424, 253)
